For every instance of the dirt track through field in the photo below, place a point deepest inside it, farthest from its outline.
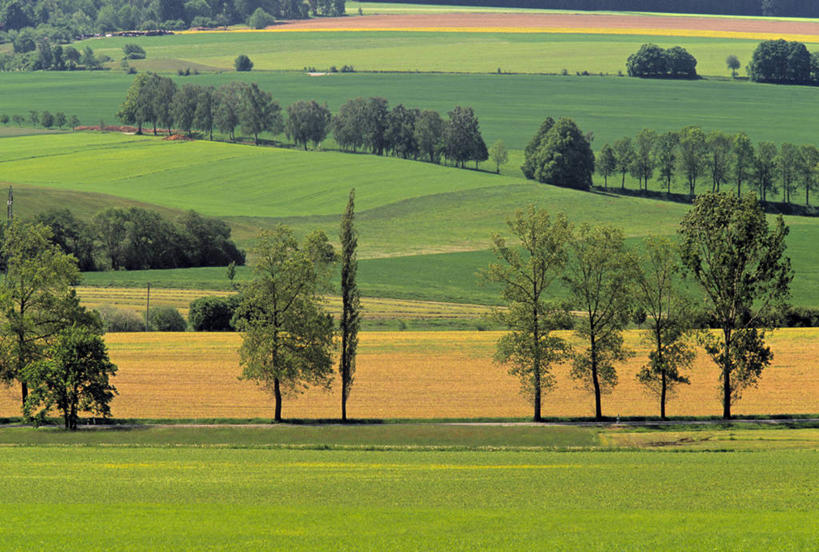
(565, 23)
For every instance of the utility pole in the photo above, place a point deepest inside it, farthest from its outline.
(148, 309)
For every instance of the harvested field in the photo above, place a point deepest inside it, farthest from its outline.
(422, 375)
(563, 23)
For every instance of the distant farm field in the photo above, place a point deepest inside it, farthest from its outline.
(422, 375)
(510, 107)
(223, 498)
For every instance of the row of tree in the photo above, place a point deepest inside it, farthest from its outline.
(726, 248)
(716, 156)
(45, 119)
(652, 61)
(74, 18)
(784, 62)
(140, 239)
(360, 123)
(32, 54)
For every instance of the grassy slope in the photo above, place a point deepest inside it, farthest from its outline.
(256, 499)
(471, 52)
(510, 107)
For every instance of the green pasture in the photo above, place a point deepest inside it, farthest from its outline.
(509, 107)
(424, 229)
(235, 490)
(424, 51)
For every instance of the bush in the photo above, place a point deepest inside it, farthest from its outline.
(133, 51)
(780, 61)
(800, 317)
(120, 320)
(167, 319)
(243, 63)
(651, 61)
(260, 19)
(213, 314)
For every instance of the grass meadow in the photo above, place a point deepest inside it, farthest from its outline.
(510, 107)
(408, 374)
(409, 246)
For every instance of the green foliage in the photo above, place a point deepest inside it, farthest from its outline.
(739, 263)
(166, 319)
(780, 61)
(120, 320)
(242, 63)
(133, 51)
(260, 19)
(287, 337)
(526, 273)
(462, 140)
(600, 278)
(498, 154)
(651, 61)
(307, 122)
(212, 314)
(563, 157)
(606, 163)
(73, 377)
(693, 151)
(350, 320)
(259, 112)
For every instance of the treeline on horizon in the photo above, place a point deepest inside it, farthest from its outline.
(141, 239)
(68, 19)
(785, 8)
(360, 124)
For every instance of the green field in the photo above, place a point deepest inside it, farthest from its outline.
(510, 107)
(235, 489)
(409, 245)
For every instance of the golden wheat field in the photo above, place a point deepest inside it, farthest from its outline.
(421, 375)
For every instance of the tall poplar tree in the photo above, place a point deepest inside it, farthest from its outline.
(350, 302)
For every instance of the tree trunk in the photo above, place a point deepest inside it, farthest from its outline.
(739, 188)
(605, 182)
(24, 390)
(623, 182)
(662, 397)
(536, 360)
(277, 394)
(598, 410)
(726, 377)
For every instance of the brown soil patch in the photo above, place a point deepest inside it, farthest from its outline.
(109, 128)
(552, 21)
(177, 137)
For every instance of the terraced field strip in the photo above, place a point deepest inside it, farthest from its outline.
(373, 308)
(423, 375)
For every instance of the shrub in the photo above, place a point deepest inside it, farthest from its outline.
(260, 19)
(120, 320)
(167, 319)
(800, 317)
(213, 314)
(133, 51)
(243, 63)
(651, 61)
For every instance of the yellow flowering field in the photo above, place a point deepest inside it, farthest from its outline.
(422, 375)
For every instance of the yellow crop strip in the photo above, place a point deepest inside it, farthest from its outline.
(634, 31)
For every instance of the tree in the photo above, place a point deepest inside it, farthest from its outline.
(184, 105)
(18, 119)
(807, 169)
(259, 112)
(307, 122)
(528, 167)
(718, 159)
(259, 20)
(59, 119)
(780, 61)
(33, 118)
(681, 64)
(46, 119)
(374, 124)
(606, 163)
(599, 276)
(89, 60)
(564, 157)
(526, 274)
(203, 116)
(462, 137)
(212, 314)
(649, 61)
(73, 377)
(765, 169)
(658, 293)
(770, 7)
(643, 164)
(400, 132)
(499, 154)
(242, 63)
(36, 299)
(732, 62)
(739, 263)
(666, 156)
(162, 98)
(693, 153)
(138, 107)
(287, 337)
(133, 51)
(742, 159)
(787, 162)
(350, 303)
(624, 154)
(348, 125)
(227, 100)
(429, 131)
